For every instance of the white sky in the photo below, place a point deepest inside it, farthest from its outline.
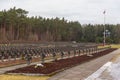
(84, 11)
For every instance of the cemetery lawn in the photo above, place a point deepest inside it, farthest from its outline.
(22, 77)
(115, 45)
(112, 46)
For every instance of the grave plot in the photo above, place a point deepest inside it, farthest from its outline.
(55, 66)
(19, 54)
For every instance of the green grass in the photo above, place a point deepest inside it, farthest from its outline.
(22, 77)
(112, 46)
(115, 45)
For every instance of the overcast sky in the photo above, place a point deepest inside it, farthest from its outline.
(84, 11)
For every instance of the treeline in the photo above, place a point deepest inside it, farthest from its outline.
(15, 25)
(94, 33)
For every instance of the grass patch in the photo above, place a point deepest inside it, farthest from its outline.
(22, 77)
(104, 46)
(112, 46)
(115, 45)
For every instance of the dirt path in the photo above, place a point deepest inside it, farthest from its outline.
(82, 71)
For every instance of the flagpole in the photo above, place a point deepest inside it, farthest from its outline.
(104, 42)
